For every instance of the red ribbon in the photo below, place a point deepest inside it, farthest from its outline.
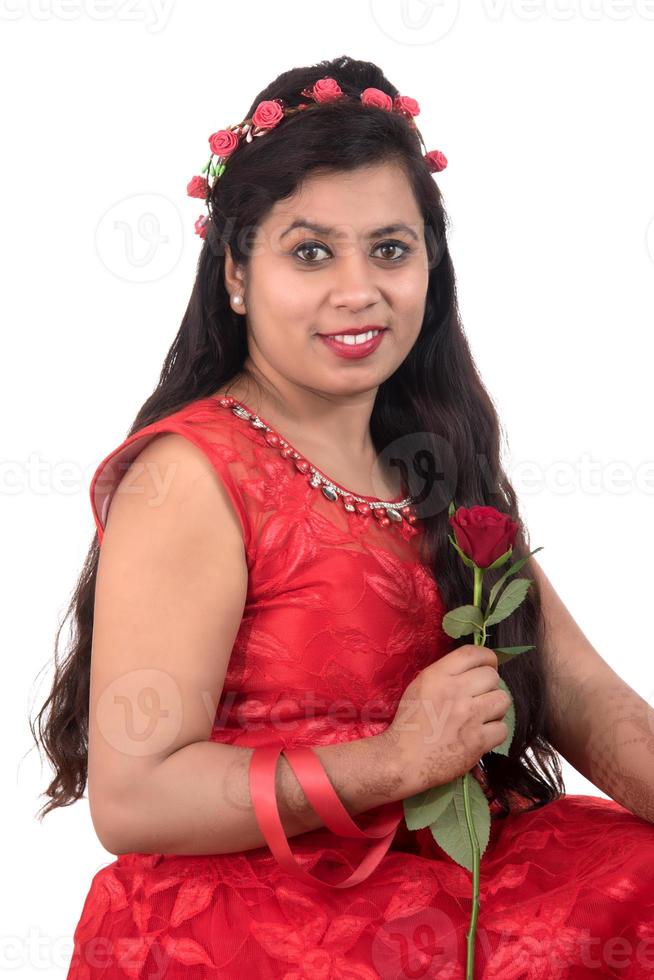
(324, 799)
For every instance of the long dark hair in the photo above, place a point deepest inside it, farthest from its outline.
(436, 391)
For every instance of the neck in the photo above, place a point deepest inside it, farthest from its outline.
(341, 423)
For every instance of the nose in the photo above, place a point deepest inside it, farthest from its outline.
(355, 286)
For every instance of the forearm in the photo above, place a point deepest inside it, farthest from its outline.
(197, 801)
(612, 743)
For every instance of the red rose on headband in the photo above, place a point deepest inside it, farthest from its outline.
(375, 97)
(223, 142)
(436, 161)
(406, 105)
(326, 90)
(201, 226)
(197, 187)
(267, 114)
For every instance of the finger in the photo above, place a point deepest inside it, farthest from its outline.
(469, 656)
(493, 705)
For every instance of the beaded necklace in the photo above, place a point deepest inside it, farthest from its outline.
(384, 511)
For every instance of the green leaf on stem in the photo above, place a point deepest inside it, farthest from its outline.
(463, 620)
(510, 571)
(509, 600)
(450, 830)
(507, 653)
(501, 560)
(423, 808)
(464, 558)
(509, 718)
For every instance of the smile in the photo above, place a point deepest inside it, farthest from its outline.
(354, 345)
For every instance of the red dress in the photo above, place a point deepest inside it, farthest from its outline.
(341, 614)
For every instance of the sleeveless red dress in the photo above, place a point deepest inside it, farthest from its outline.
(340, 616)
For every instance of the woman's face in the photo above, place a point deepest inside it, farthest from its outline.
(304, 282)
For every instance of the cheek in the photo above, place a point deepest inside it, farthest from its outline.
(410, 293)
(290, 293)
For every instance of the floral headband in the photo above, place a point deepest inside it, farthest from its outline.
(269, 114)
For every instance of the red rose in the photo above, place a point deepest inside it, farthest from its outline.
(201, 226)
(406, 105)
(375, 97)
(267, 114)
(197, 187)
(327, 90)
(436, 161)
(483, 533)
(223, 142)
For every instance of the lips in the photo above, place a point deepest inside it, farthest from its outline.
(353, 331)
(357, 349)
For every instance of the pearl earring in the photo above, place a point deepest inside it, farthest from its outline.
(237, 299)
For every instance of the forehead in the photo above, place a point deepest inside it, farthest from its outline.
(363, 199)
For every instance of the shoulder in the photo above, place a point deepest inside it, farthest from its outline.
(173, 479)
(158, 469)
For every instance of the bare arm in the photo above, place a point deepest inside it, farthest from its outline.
(197, 801)
(607, 734)
(597, 721)
(170, 594)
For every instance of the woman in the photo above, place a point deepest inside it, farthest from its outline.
(274, 572)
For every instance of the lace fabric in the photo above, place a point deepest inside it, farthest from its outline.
(340, 615)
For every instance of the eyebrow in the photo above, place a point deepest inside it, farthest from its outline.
(325, 230)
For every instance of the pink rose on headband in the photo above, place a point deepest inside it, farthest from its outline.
(375, 97)
(197, 187)
(267, 114)
(436, 161)
(223, 142)
(406, 105)
(326, 90)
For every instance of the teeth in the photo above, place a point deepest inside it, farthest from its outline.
(353, 339)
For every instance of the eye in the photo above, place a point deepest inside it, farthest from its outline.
(394, 244)
(307, 247)
(313, 246)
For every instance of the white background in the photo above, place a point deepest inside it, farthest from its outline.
(544, 113)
